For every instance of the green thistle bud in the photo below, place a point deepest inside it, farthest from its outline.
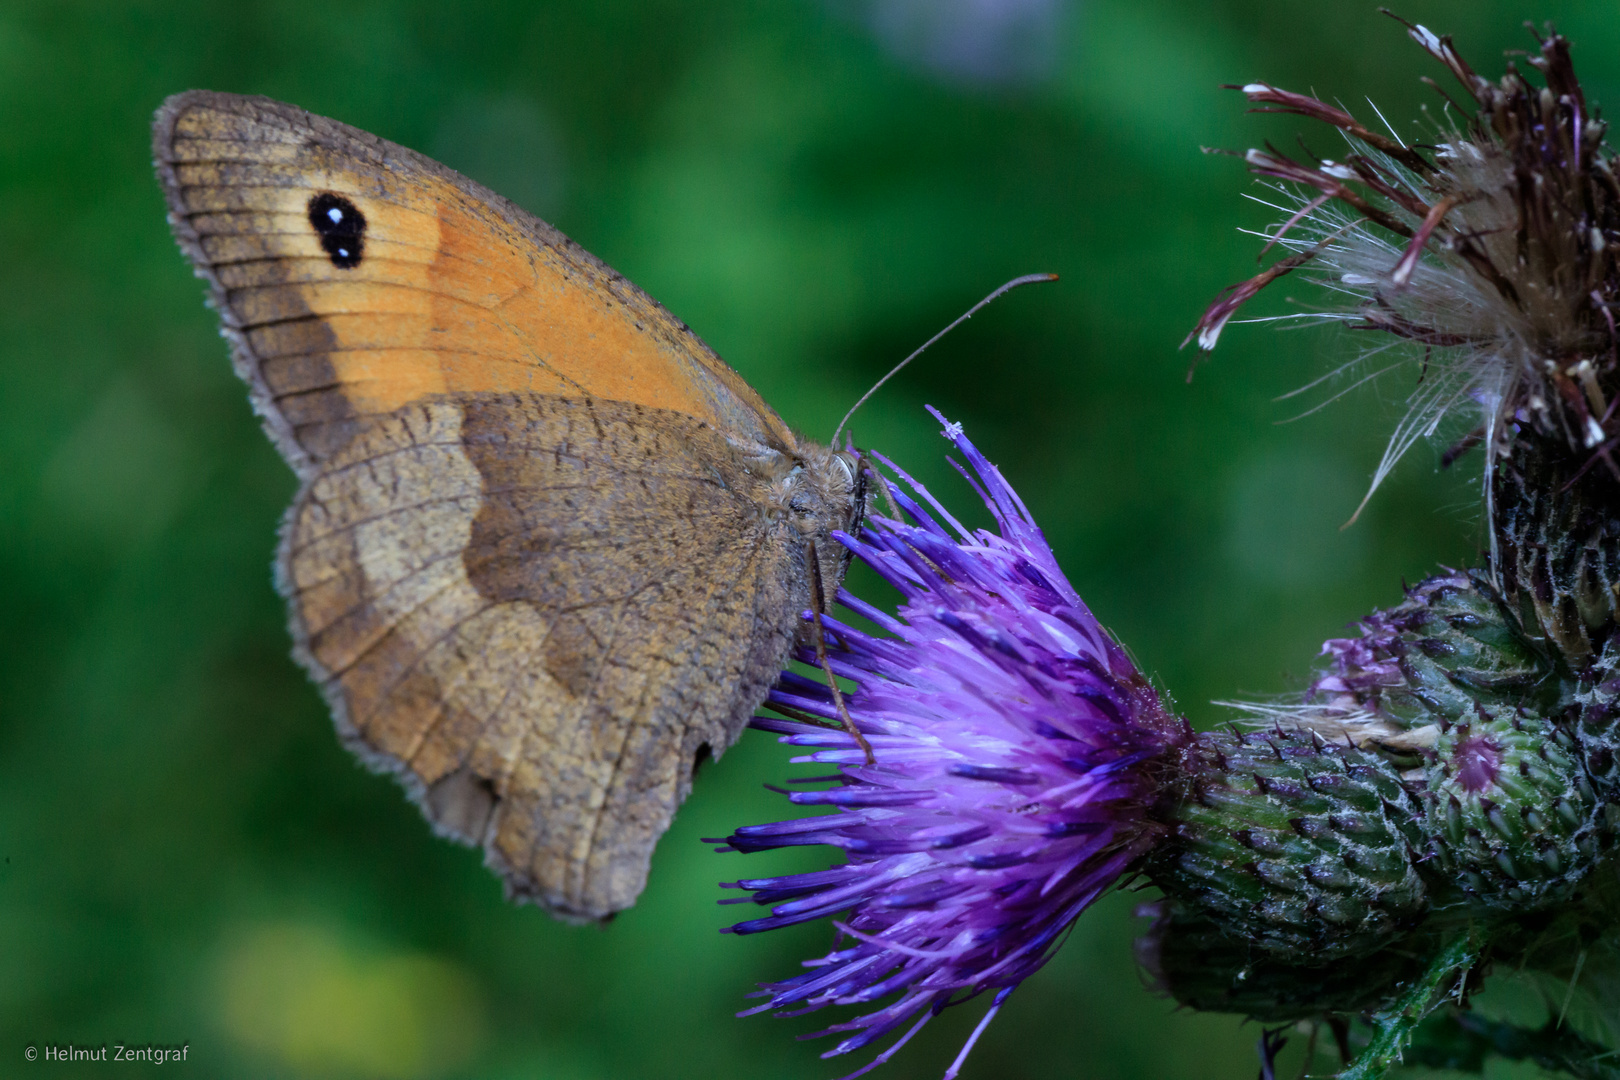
(1436, 657)
(1188, 956)
(1448, 683)
(1301, 847)
(1513, 816)
(1491, 698)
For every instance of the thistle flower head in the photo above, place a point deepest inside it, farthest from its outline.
(1495, 247)
(1019, 756)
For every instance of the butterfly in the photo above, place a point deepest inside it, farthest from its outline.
(548, 551)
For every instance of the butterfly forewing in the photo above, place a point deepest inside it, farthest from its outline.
(455, 290)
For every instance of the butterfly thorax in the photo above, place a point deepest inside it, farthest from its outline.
(814, 492)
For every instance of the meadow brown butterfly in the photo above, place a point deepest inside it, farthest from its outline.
(548, 550)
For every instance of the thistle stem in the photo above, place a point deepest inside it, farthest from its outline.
(1395, 1026)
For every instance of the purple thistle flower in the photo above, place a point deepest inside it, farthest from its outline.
(1020, 756)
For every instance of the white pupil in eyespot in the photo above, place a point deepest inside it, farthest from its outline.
(335, 214)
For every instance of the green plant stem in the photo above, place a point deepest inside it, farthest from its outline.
(1393, 1027)
(1464, 1041)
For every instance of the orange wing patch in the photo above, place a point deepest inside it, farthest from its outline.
(451, 295)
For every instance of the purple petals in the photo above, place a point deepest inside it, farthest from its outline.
(994, 774)
(1478, 761)
(857, 796)
(1000, 861)
(925, 895)
(1017, 764)
(963, 836)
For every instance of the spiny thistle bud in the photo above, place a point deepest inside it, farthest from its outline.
(1435, 657)
(1448, 683)
(1300, 847)
(1192, 958)
(1557, 527)
(1597, 697)
(1511, 811)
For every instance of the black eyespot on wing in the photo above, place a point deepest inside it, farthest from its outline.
(341, 227)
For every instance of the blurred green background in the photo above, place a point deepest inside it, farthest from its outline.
(816, 186)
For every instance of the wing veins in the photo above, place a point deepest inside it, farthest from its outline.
(348, 527)
(642, 712)
(339, 470)
(583, 869)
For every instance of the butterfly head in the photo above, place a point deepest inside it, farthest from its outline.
(823, 491)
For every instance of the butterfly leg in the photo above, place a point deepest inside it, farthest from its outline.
(818, 596)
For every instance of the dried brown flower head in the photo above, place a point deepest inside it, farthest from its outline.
(1493, 248)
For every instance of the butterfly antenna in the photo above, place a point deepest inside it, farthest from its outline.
(1027, 279)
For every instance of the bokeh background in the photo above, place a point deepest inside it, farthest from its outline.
(816, 186)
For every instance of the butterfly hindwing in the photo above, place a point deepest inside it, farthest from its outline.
(543, 613)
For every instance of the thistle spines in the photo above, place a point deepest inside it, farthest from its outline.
(1558, 541)
(1449, 765)
(1301, 847)
(1482, 715)
(1597, 724)
(1424, 665)
(1513, 818)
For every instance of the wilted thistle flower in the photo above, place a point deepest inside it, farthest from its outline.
(1497, 250)
(1493, 247)
(1020, 757)
(1496, 241)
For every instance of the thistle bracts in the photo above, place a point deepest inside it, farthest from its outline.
(1511, 811)
(1300, 847)
(1448, 684)
(1557, 528)
(1194, 959)
(1449, 647)
(1597, 697)
(1446, 769)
